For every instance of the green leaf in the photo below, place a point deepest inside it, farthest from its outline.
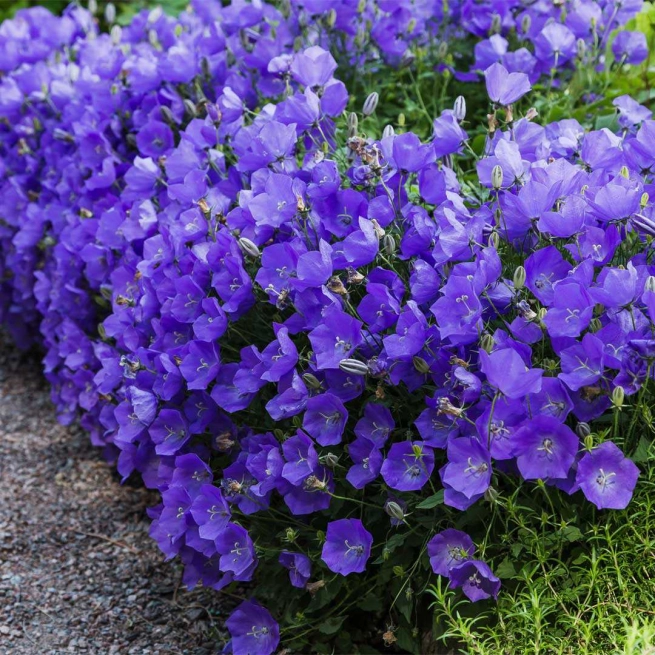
(505, 569)
(432, 501)
(642, 451)
(331, 626)
(571, 533)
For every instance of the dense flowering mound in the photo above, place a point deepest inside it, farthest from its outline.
(308, 336)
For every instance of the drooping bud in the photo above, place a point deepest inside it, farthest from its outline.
(394, 510)
(311, 381)
(497, 177)
(248, 247)
(389, 244)
(116, 34)
(388, 131)
(459, 108)
(519, 277)
(110, 12)
(583, 429)
(371, 103)
(618, 396)
(420, 364)
(353, 366)
(650, 283)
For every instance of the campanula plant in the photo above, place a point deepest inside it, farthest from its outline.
(342, 350)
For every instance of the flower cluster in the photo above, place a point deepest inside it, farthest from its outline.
(307, 337)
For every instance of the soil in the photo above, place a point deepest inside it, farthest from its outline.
(78, 571)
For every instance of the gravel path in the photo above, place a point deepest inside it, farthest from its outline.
(78, 571)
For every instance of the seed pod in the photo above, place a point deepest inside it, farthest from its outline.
(116, 34)
(459, 108)
(583, 429)
(110, 13)
(519, 277)
(497, 177)
(353, 366)
(371, 103)
(618, 396)
(388, 131)
(311, 381)
(248, 247)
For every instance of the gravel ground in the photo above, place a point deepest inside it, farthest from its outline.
(78, 571)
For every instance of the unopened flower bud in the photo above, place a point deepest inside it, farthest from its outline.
(389, 244)
(388, 131)
(583, 429)
(331, 460)
(519, 277)
(62, 135)
(311, 381)
(494, 239)
(644, 200)
(541, 314)
(497, 177)
(650, 283)
(495, 24)
(595, 325)
(190, 108)
(290, 535)
(618, 396)
(155, 14)
(248, 247)
(401, 119)
(353, 366)
(116, 34)
(331, 18)
(361, 5)
(624, 172)
(491, 495)
(93, 7)
(110, 12)
(167, 115)
(371, 103)
(487, 342)
(153, 38)
(352, 123)
(411, 25)
(581, 48)
(398, 571)
(459, 108)
(588, 442)
(407, 58)
(420, 364)
(442, 50)
(394, 510)
(526, 23)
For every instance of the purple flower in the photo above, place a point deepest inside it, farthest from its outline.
(299, 565)
(476, 580)
(325, 419)
(367, 461)
(503, 87)
(210, 511)
(408, 465)
(630, 47)
(507, 372)
(347, 546)
(376, 425)
(468, 470)
(544, 448)
(335, 338)
(448, 549)
(607, 477)
(253, 630)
